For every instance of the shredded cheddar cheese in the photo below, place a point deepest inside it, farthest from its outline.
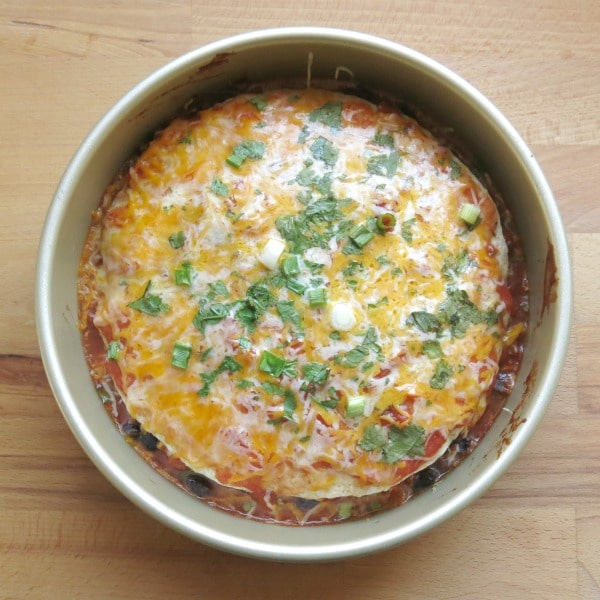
(298, 305)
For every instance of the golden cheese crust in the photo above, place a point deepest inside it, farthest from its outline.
(293, 296)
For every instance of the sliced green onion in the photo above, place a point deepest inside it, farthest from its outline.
(469, 213)
(361, 236)
(113, 350)
(272, 250)
(295, 286)
(235, 160)
(183, 275)
(355, 407)
(180, 356)
(345, 511)
(177, 240)
(317, 297)
(290, 266)
(386, 222)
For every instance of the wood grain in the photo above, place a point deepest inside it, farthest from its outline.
(65, 532)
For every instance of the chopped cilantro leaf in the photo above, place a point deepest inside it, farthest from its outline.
(259, 102)
(272, 388)
(384, 139)
(185, 139)
(352, 268)
(455, 169)
(459, 312)
(315, 372)
(245, 343)
(374, 438)
(244, 150)
(331, 400)
(406, 230)
(209, 315)
(432, 349)
(148, 303)
(408, 441)
(329, 114)
(276, 366)
(395, 443)
(424, 321)
(183, 275)
(353, 358)
(454, 266)
(443, 372)
(287, 312)
(258, 299)
(228, 364)
(384, 164)
(176, 240)
(218, 188)
(217, 288)
(323, 149)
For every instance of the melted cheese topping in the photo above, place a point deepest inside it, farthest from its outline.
(242, 237)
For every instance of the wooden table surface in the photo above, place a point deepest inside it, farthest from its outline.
(65, 532)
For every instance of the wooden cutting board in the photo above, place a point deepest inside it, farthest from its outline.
(65, 532)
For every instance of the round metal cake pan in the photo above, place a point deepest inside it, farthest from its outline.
(284, 54)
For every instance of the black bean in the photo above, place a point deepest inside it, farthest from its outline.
(427, 477)
(463, 444)
(198, 484)
(132, 429)
(150, 441)
(306, 503)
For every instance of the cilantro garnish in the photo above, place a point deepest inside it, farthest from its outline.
(384, 139)
(323, 149)
(331, 400)
(258, 102)
(258, 299)
(244, 150)
(185, 139)
(459, 312)
(394, 443)
(311, 228)
(229, 364)
(443, 372)
(353, 358)
(453, 266)
(406, 230)
(148, 303)
(183, 275)
(218, 188)
(287, 312)
(304, 133)
(276, 366)
(315, 372)
(424, 321)
(210, 315)
(217, 288)
(329, 114)
(176, 240)
(455, 169)
(384, 164)
(432, 349)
